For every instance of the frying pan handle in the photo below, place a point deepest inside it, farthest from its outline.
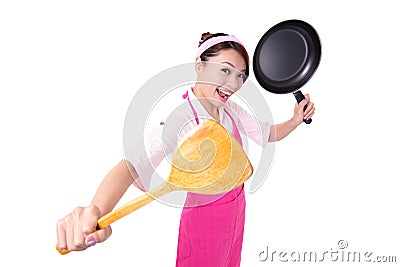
(299, 97)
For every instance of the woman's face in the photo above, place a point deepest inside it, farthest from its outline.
(221, 76)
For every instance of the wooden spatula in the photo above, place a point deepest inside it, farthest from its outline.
(209, 160)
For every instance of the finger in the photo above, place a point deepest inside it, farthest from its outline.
(79, 238)
(307, 97)
(61, 239)
(98, 236)
(69, 233)
(309, 107)
(72, 243)
(310, 114)
(89, 220)
(301, 106)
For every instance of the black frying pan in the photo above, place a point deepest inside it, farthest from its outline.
(286, 57)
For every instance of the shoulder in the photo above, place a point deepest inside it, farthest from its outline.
(235, 107)
(170, 106)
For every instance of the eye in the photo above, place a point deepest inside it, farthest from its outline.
(242, 77)
(226, 71)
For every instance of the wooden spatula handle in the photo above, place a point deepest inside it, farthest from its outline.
(129, 207)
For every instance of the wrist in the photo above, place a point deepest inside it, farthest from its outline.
(293, 123)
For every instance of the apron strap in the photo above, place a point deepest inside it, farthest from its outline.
(235, 128)
(196, 117)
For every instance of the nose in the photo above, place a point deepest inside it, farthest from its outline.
(232, 83)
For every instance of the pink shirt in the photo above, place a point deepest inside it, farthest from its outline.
(162, 138)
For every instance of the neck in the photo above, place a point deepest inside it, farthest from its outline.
(209, 107)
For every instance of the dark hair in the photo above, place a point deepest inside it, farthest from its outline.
(215, 49)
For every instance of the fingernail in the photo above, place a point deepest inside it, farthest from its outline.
(91, 241)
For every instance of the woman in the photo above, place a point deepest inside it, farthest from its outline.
(211, 230)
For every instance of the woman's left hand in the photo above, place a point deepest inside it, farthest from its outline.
(300, 114)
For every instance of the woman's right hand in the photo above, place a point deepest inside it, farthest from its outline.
(77, 230)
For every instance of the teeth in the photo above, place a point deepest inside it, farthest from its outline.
(228, 93)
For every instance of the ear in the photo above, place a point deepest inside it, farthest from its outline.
(198, 65)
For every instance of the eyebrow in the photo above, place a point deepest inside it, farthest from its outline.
(233, 66)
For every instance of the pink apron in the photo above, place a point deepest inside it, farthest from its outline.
(212, 234)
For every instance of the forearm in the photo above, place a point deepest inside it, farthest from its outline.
(113, 187)
(280, 131)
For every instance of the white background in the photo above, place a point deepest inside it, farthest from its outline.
(69, 69)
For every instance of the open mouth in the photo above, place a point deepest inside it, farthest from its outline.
(224, 94)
